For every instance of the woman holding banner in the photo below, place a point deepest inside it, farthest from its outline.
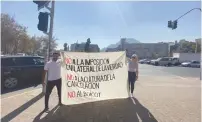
(132, 72)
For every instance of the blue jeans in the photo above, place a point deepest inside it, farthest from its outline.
(131, 79)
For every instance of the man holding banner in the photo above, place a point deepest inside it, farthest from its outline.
(89, 77)
(52, 69)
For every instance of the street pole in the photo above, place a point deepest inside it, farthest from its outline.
(175, 21)
(50, 34)
(188, 12)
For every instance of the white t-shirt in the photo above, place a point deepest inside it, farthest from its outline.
(132, 66)
(53, 68)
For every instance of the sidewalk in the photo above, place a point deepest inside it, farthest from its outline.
(162, 99)
(31, 106)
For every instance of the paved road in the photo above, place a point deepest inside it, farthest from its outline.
(150, 70)
(160, 96)
(185, 72)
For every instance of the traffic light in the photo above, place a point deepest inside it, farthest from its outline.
(170, 24)
(41, 4)
(174, 24)
(43, 21)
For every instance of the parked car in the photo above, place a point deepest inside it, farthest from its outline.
(165, 61)
(143, 61)
(191, 64)
(21, 54)
(17, 71)
(155, 61)
(148, 61)
(175, 61)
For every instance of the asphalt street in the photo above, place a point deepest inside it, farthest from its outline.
(184, 72)
(145, 70)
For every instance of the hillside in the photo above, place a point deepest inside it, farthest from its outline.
(128, 40)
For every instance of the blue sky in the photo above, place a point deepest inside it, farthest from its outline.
(105, 22)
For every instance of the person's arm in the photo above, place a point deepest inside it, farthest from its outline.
(127, 58)
(137, 69)
(44, 76)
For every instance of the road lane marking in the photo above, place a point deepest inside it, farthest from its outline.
(183, 78)
(172, 75)
(133, 100)
(173, 85)
(20, 94)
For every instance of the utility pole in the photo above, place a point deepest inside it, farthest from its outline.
(43, 24)
(50, 34)
(43, 21)
(173, 24)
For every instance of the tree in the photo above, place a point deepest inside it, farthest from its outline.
(65, 46)
(36, 45)
(154, 55)
(43, 40)
(10, 31)
(198, 43)
(14, 38)
(184, 46)
(87, 45)
(174, 48)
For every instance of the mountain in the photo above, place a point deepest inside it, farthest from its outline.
(128, 40)
(103, 49)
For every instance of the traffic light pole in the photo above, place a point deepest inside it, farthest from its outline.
(173, 24)
(188, 12)
(50, 34)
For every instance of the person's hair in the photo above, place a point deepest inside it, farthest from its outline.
(135, 56)
(55, 53)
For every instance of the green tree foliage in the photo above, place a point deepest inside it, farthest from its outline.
(184, 46)
(15, 39)
(87, 45)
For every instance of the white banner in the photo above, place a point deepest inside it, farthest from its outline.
(89, 77)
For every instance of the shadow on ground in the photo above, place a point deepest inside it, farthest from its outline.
(123, 110)
(22, 108)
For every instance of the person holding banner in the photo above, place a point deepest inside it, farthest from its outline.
(52, 69)
(132, 72)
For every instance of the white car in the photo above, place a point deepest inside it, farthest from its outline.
(155, 61)
(21, 54)
(143, 61)
(175, 61)
(165, 61)
(191, 64)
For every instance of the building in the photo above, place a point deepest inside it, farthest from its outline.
(81, 47)
(143, 50)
